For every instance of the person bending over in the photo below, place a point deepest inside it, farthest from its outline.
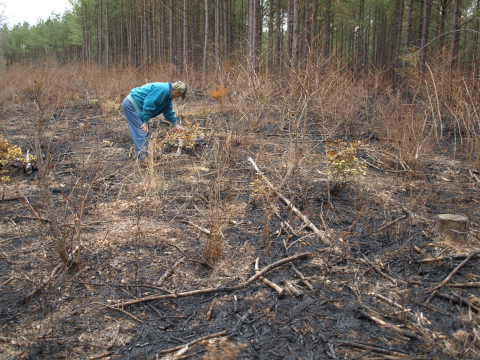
(147, 102)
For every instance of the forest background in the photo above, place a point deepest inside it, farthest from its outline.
(202, 34)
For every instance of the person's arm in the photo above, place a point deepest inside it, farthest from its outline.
(170, 114)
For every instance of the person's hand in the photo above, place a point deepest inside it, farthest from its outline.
(144, 127)
(178, 129)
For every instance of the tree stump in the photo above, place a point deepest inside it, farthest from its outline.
(452, 226)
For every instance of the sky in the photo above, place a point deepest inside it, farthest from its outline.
(19, 11)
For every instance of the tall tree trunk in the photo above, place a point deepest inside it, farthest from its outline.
(326, 44)
(374, 36)
(270, 38)
(205, 45)
(360, 36)
(106, 35)
(185, 36)
(170, 52)
(476, 61)
(226, 28)
(289, 31)
(217, 35)
(97, 50)
(306, 30)
(423, 44)
(409, 27)
(455, 35)
(100, 49)
(259, 30)
(313, 25)
(296, 9)
(278, 22)
(154, 33)
(145, 51)
(122, 50)
(130, 32)
(398, 33)
(252, 33)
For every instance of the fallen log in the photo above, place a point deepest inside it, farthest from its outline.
(278, 289)
(169, 272)
(218, 289)
(303, 279)
(294, 290)
(380, 271)
(373, 348)
(457, 299)
(191, 343)
(448, 257)
(447, 279)
(402, 332)
(310, 225)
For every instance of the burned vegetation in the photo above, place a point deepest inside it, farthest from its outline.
(279, 227)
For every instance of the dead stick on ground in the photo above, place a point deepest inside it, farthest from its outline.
(205, 231)
(310, 225)
(465, 285)
(45, 283)
(376, 349)
(293, 289)
(220, 289)
(458, 256)
(169, 272)
(457, 299)
(473, 175)
(402, 332)
(303, 279)
(121, 310)
(190, 344)
(447, 279)
(210, 309)
(101, 356)
(389, 301)
(390, 223)
(380, 271)
(278, 289)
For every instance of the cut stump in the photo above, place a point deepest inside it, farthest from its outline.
(452, 226)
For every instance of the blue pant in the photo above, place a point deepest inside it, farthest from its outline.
(140, 138)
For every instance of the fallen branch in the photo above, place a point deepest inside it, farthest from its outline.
(303, 279)
(101, 356)
(458, 256)
(473, 175)
(169, 272)
(190, 344)
(373, 348)
(380, 271)
(293, 289)
(457, 299)
(402, 332)
(447, 279)
(278, 289)
(466, 285)
(45, 283)
(310, 225)
(389, 301)
(390, 223)
(221, 288)
(121, 310)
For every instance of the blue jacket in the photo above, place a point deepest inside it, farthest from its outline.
(152, 100)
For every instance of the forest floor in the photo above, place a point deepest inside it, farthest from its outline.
(137, 224)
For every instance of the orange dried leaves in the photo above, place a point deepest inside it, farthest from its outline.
(219, 94)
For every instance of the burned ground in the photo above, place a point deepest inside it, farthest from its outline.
(139, 223)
